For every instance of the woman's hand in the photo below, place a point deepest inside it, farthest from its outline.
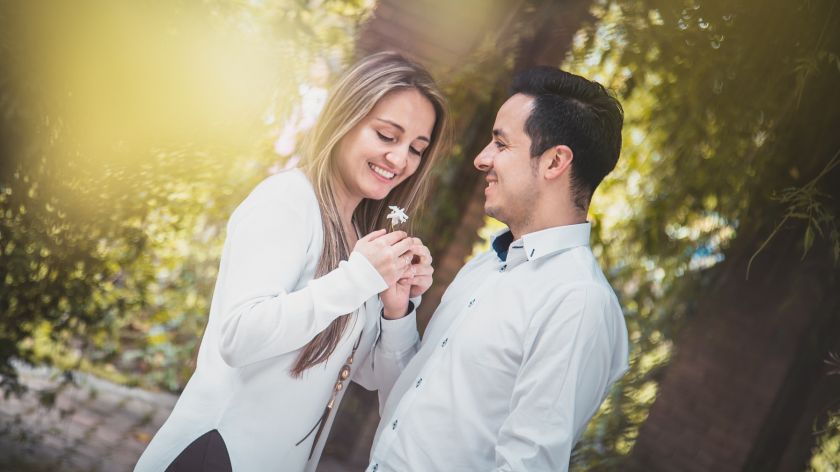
(421, 269)
(388, 253)
(395, 298)
(417, 279)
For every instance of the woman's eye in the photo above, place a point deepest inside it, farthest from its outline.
(415, 151)
(386, 138)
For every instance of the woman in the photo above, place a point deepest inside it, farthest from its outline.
(296, 312)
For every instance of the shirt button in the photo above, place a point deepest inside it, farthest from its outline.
(394, 424)
(503, 268)
(443, 344)
(471, 303)
(419, 381)
(375, 467)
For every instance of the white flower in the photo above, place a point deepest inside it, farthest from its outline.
(397, 215)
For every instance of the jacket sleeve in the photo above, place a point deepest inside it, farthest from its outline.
(268, 244)
(396, 343)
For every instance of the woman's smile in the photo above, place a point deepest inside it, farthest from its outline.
(383, 174)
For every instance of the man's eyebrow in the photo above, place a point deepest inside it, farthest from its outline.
(402, 130)
(500, 134)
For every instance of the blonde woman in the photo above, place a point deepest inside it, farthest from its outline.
(312, 291)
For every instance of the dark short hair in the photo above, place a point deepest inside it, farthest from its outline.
(576, 112)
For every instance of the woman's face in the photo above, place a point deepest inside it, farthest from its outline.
(386, 147)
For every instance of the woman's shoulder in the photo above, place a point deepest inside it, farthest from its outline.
(287, 184)
(288, 191)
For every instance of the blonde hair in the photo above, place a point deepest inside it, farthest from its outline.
(351, 99)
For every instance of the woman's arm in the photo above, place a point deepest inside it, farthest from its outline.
(396, 343)
(270, 240)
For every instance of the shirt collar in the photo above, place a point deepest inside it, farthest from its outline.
(501, 243)
(544, 242)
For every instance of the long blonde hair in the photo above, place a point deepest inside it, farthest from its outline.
(351, 99)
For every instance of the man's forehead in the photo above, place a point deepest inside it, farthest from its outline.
(513, 114)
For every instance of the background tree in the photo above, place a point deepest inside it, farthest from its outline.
(129, 133)
(729, 139)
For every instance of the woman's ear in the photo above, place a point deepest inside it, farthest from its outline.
(559, 161)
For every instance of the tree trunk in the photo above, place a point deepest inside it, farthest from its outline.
(747, 382)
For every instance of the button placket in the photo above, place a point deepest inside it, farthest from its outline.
(405, 405)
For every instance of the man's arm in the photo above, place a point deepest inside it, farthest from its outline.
(567, 368)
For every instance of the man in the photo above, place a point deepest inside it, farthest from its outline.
(529, 336)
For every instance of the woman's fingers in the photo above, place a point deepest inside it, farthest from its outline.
(372, 235)
(421, 252)
(400, 247)
(421, 270)
(390, 239)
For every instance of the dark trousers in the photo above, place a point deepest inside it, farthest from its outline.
(208, 453)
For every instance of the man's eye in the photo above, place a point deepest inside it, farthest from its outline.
(499, 144)
(387, 139)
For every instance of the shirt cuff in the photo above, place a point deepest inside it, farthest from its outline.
(399, 335)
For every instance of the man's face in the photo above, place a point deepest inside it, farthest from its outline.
(512, 180)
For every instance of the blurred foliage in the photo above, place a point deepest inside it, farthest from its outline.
(129, 134)
(827, 451)
(730, 125)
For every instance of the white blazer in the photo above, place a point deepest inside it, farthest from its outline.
(266, 306)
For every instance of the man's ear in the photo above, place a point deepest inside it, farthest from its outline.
(559, 161)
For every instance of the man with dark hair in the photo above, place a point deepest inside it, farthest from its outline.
(529, 337)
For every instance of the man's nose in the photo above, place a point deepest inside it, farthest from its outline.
(484, 160)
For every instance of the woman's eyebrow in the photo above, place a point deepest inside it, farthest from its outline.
(402, 130)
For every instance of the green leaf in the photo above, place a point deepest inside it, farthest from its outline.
(808, 241)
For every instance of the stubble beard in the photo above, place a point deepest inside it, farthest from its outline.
(516, 216)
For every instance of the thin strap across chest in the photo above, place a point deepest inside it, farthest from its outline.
(343, 375)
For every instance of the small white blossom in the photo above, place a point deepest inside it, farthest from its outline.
(397, 215)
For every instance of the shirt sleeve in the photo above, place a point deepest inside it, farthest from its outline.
(268, 246)
(566, 371)
(395, 345)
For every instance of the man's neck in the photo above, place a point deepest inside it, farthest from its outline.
(572, 218)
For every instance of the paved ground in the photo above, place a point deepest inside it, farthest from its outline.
(97, 426)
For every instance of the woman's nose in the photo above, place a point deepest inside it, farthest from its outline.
(398, 159)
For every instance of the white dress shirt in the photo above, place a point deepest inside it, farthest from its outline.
(266, 306)
(515, 361)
